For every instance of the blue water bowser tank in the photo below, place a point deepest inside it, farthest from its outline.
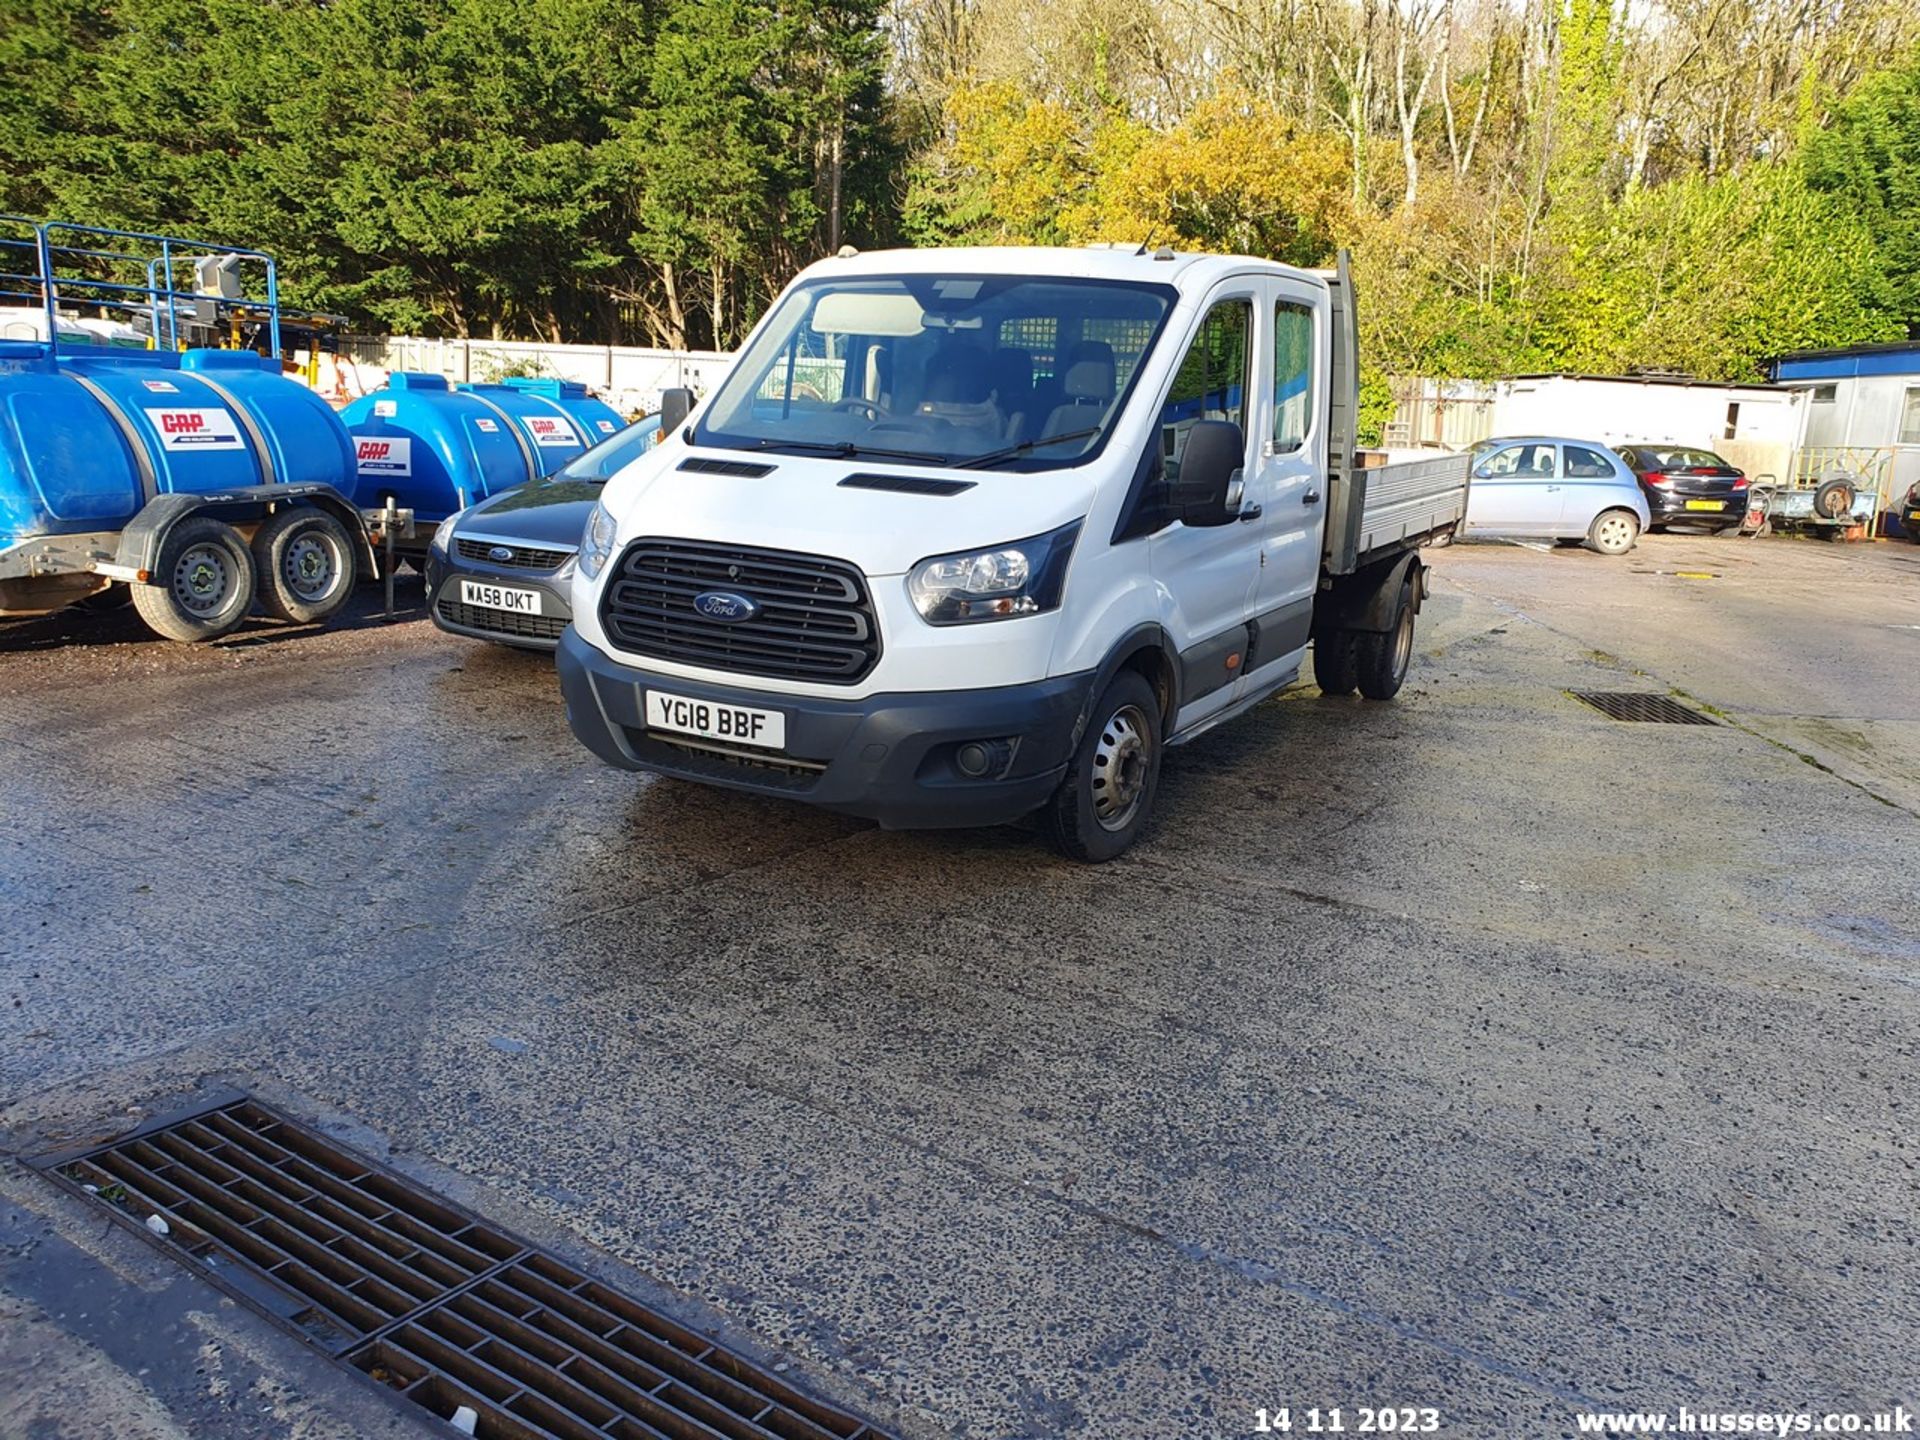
(435, 449)
(591, 416)
(89, 436)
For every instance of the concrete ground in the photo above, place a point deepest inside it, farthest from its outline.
(1474, 1051)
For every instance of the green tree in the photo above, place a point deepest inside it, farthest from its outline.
(1870, 160)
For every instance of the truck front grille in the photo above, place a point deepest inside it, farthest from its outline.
(814, 619)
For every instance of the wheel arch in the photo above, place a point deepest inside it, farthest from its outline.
(1148, 649)
(146, 533)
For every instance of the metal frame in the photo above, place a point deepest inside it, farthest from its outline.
(158, 297)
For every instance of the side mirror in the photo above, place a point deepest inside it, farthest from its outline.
(675, 405)
(1207, 490)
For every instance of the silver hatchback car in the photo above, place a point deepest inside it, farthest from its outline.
(1551, 488)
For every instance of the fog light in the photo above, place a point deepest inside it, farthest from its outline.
(978, 759)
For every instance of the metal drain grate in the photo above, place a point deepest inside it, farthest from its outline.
(423, 1297)
(1641, 706)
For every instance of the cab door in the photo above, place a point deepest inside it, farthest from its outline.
(1207, 574)
(1288, 482)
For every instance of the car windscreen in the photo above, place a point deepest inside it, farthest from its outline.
(599, 463)
(1010, 372)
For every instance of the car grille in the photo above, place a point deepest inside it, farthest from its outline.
(815, 622)
(525, 557)
(500, 622)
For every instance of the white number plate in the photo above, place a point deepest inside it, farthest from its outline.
(734, 723)
(500, 597)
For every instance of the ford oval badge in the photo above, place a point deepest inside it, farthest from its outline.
(725, 605)
(500, 554)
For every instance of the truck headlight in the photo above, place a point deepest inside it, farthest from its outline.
(443, 533)
(596, 541)
(1024, 577)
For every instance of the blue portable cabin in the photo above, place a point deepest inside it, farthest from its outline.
(105, 453)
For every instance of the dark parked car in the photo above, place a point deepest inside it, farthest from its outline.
(500, 570)
(1685, 486)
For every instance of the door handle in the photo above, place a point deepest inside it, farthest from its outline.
(1252, 512)
(1312, 497)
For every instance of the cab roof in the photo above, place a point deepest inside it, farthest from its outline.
(1187, 270)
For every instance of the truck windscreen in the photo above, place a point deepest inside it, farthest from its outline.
(1012, 372)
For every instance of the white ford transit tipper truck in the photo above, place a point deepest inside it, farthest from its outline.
(971, 533)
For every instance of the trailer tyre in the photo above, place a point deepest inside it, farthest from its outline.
(305, 561)
(1834, 499)
(1104, 801)
(202, 585)
(1336, 662)
(1381, 659)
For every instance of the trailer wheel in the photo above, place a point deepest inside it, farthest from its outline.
(203, 584)
(1381, 659)
(1834, 499)
(305, 562)
(1104, 800)
(1613, 532)
(1336, 662)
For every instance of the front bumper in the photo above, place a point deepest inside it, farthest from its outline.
(479, 622)
(888, 758)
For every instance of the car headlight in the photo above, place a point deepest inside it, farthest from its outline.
(443, 533)
(596, 541)
(1024, 577)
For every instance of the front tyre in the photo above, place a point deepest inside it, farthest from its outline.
(1108, 791)
(1613, 532)
(202, 584)
(1381, 660)
(306, 565)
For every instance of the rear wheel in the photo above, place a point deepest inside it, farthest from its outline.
(1107, 794)
(305, 563)
(1381, 660)
(202, 585)
(1613, 532)
(1336, 663)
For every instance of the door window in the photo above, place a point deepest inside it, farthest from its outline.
(1585, 464)
(1292, 374)
(1910, 418)
(1211, 383)
(1519, 462)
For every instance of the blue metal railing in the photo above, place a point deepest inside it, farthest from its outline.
(156, 292)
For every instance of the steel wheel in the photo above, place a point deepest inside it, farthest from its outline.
(1403, 643)
(1120, 762)
(310, 567)
(203, 579)
(306, 564)
(202, 585)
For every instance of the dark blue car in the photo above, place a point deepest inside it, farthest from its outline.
(500, 570)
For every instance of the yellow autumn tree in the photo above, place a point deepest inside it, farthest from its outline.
(1236, 175)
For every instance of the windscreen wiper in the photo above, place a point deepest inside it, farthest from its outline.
(974, 462)
(849, 450)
